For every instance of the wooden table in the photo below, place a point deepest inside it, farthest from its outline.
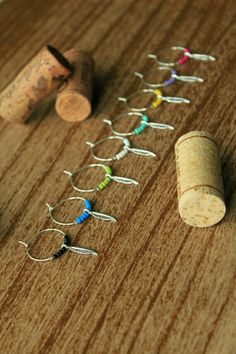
(158, 285)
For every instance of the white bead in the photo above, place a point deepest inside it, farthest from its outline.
(121, 154)
(126, 142)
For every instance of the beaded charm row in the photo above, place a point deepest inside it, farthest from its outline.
(145, 122)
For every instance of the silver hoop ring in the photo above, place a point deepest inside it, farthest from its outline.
(123, 152)
(122, 115)
(72, 174)
(156, 93)
(183, 58)
(62, 250)
(51, 210)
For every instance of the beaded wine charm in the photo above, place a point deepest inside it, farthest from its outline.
(145, 123)
(126, 149)
(87, 213)
(159, 98)
(108, 178)
(187, 54)
(66, 246)
(174, 76)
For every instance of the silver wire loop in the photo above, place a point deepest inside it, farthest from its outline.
(144, 123)
(159, 98)
(108, 175)
(186, 55)
(64, 247)
(173, 77)
(80, 219)
(127, 148)
(202, 57)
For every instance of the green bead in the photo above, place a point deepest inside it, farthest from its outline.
(108, 170)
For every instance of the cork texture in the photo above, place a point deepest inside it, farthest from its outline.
(74, 101)
(36, 81)
(199, 179)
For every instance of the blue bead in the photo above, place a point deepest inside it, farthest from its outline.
(86, 214)
(88, 204)
(78, 220)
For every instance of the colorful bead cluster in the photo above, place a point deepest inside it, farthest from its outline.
(88, 205)
(107, 179)
(142, 126)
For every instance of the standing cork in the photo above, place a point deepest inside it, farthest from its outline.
(33, 84)
(199, 179)
(74, 102)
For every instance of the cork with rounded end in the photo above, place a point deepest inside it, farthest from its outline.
(199, 179)
(36, 81)
(74, 101)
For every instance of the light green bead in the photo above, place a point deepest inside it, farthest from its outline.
(108, 170)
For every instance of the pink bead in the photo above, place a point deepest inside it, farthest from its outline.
(184, 58)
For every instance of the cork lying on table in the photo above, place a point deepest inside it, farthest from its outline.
(74, 101)
(36, 81)
(199, 179)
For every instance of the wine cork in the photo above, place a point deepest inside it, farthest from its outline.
(74, 102)
(33, 84)
(199, 179)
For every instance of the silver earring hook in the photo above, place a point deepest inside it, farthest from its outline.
(108, 178)
(66, 246)
(173, 77)
(88, 211)
(187, 54)
(159, 98)
(145, 122)
(126, 149)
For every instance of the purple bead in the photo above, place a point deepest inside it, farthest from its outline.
(172, 79)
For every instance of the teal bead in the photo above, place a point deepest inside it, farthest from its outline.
(145, 118)
(143, 127)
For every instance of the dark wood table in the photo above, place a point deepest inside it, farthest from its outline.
(158, 285)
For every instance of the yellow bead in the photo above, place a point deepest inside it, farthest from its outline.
(158, 101)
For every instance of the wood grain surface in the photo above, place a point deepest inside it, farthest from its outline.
(158, 285)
